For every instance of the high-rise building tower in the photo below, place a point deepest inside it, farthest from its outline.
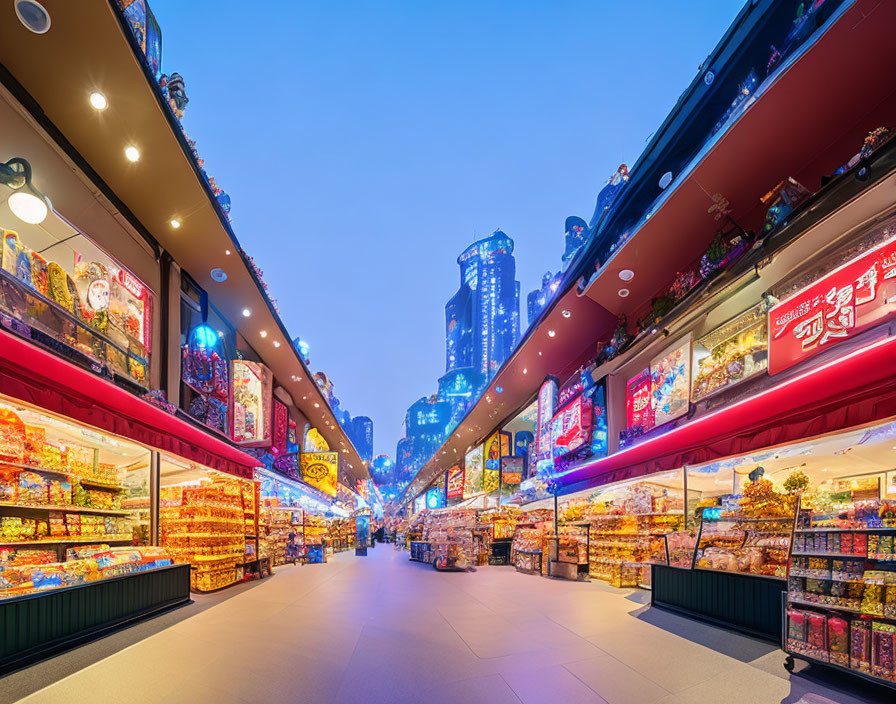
(482, 320)
(360, 431)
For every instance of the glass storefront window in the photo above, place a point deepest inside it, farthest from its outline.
(60, 284)
(208, 519)
(74, 503)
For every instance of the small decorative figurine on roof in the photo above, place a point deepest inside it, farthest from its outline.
(724, 249)
(745, 89)
(784, 198)
(618, 342)
(609, 193)
(175, 93)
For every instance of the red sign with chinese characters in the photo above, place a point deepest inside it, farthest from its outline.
(571, 427)
(455, 482)
(842, 304)
(638, 410)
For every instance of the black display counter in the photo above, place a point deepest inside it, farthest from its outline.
(743, 602)
(36, 626)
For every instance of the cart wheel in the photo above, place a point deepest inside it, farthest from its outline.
(789, 663)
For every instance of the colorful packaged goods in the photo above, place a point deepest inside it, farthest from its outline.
(12, 437)
(838, 641)
(9, 485)
(883, 650)
(860, 645)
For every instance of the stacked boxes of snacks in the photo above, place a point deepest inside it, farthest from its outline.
(529, 548)
(274, 527)
(25, 572)
(204, 524)
(450, 535)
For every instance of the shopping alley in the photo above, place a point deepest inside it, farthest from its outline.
(382, 629)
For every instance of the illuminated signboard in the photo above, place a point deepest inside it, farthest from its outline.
(638, 409)
(320, 469)
(250, 403)
(838, 306)
(547, 402)
(473, 472)
(571, 427)
(670, 382)
(455, 482)
(435, 497)
(492, 461)
(419, 504)
(512, 470)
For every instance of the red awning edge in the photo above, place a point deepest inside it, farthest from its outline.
(853, 390)
(37, 377)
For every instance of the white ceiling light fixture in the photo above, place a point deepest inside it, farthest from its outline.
(98, 101)
(33, 15)
(227, 252)
(263, 333)
(567, 313)
(26, 202)
(132, 153)
(316, 405)
(551, 333)
(623, 292)
(276, 343)
(626, 274)
(175, 223)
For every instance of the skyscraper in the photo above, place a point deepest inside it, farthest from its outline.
(425, 425)
(360, 432)
(540, 297)
(482, 320)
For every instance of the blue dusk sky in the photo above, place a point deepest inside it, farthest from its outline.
(366, 144)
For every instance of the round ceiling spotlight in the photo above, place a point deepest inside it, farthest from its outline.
(551, 333)
(98, 101)
(132, 154)
(218, 275)
(626, 274)
(623, 292)
(33, 15)
(567, 313)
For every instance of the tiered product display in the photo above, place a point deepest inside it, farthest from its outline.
(276, 524)
(841, 599)
(341, 534)
(449, 533)
(204, 523)
(529, 549)
(315, 537)
(629, 525)
(63, 489)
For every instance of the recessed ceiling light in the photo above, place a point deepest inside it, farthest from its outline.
(567, 313)
(276, 343)
(539, 354)
(246, 312)
(304, 398)
(263, 333)
(824, 469)
(551, 333)
(132, 153)
(626, 274)
(295, 378)
(98, 101)
(218, 275)
(623, 292)
(33, 15)
(227, 252)
(525, 371)
(175, 223)
(317, 405)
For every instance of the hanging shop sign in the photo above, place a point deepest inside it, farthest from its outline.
(670, 382)
(435, 497)
(320, 470)
(419, 503)
(638, 409)
(599, 430)
(731, 353)
(455, 482)
(281, 428)
(547, 403)
(492, 462)
(571, 427)
(849, 300)
(315, 442)
(572, 387)
(251, 403)
(473, 472)
(512, 470)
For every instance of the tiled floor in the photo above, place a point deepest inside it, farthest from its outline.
(382, 629)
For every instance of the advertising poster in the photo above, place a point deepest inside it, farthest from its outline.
(838, 306)
(512, 470)
(492, 463)
(571, 427)
(670, 382)
(547, 402)
(419, 504)
(320, 469)
(362, 530)
(281, 428)
(435, 498)
(455, 482)
(250, 403)
(638, 409)
(473, 472)
(599, 431)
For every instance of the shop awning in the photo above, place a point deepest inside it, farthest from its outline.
(33, 376)
(856, 389)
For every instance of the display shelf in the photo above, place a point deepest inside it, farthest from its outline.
(66, 475)
(833, 607)
(797, 573)
(848, 670)
(803, 553)
(66, 540)
(880, 529)
(68, 509)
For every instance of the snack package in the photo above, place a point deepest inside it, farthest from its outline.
(33, 489)
(838, 641)
(816, 636)
(860, 645)
(883, 643)
(9, 485)
(12, 437)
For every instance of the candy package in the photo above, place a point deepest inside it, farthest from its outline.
(883, 644)
(860, 645)
(838, 641)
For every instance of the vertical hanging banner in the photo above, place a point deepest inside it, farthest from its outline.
(320, 470)
(492, 463)
(455, 482)
(853, 298)
(638, 410)
(512, 470)
(547, 403)
(473, 472)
